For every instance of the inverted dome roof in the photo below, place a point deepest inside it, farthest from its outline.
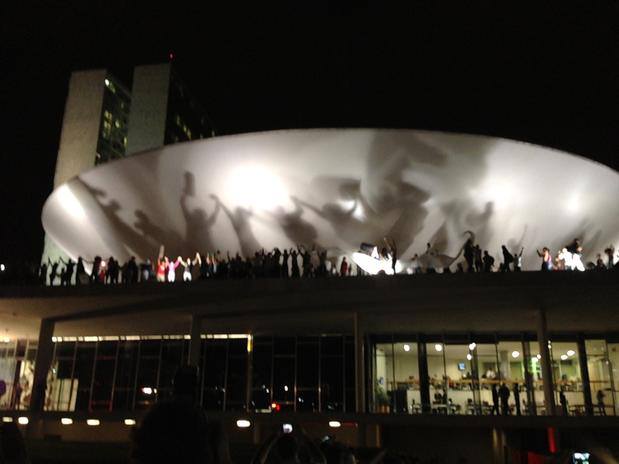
(336, 188)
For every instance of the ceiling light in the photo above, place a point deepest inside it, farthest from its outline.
(438, 347)
(407, 347)
(515, 354)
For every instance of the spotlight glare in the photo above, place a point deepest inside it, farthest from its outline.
(472, 346)
(129, 421)
(515, 354)
(571, 352)
(22, 420)
(335, 424)
(93, 422)
(438, 347)
(407, 347)
(66, 421)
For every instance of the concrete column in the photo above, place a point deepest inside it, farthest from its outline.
(42, 363)
(195, 343)
(359, 335)
(542, 339)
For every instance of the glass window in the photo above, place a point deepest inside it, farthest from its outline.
(598, 367)
(349, 381)
(567, 379)
(104, 376)
(262, 359)
(124, 387)
(214, 373)
(406, 395)
(171, 360)
(511, 376)
(534, 403)
(461, 385)
(613, 359)
(82, 377)
(332, 383)
(437, 377)
(236, 385)
(283, 380)
(488, 371)
(383, 376)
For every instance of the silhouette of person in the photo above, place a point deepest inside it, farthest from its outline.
(610, 254)
(488, 262)
(284, 268)
(518, 261)
(393, 252)
(294, 267)
(96, 267)
(175, 431)
(517, 398)
(479, 262)
(53, 273)
(344, 267)
(469, 255)
(80, 273)
(600, 402)
(504, 395)
(67, 275)
(495, 400)
(12, 445)
(563, 402)
(43, 275)
(508, 259)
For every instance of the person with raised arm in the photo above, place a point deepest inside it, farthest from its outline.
(546, 259)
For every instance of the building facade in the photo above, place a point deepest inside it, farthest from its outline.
(383, 353)
(104, 121)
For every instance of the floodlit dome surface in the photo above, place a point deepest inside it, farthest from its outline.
(337, 188)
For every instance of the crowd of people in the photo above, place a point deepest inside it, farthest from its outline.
(298, 262)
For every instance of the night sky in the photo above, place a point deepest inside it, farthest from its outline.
(549, 76)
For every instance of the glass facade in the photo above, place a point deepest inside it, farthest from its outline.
(238, 372)
(476, 374)
(112, 142)
(409, 374)
(186, 119)
(16, 373)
